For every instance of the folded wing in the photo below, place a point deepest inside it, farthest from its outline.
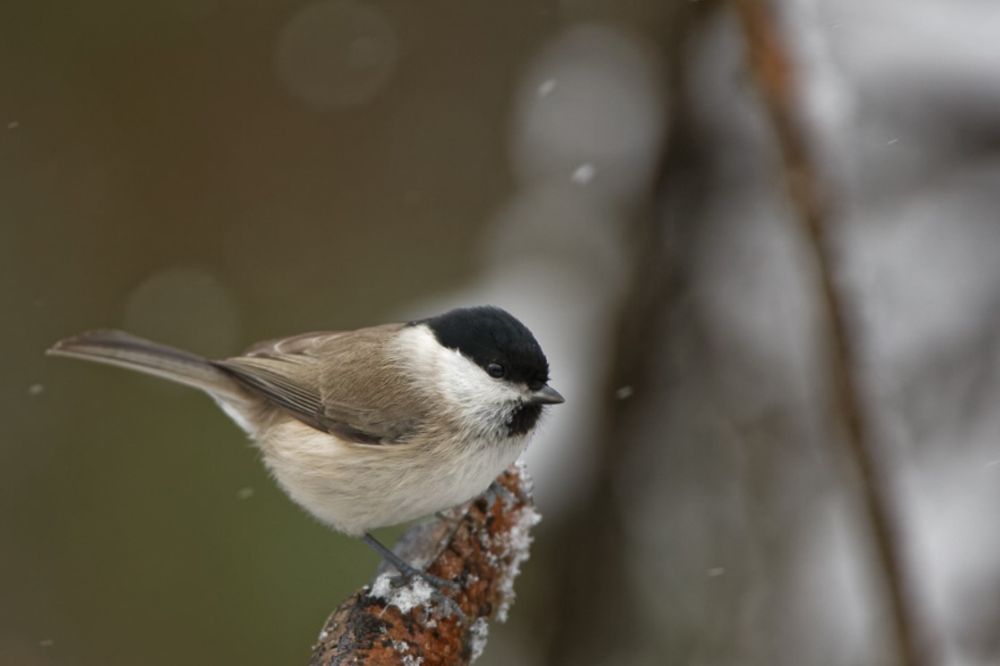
(344, 383)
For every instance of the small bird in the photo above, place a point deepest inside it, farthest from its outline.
(371, 427)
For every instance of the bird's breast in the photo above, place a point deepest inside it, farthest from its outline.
(355, 488)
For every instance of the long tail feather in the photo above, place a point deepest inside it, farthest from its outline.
(128, 351)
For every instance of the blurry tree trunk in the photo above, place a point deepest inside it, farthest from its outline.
(650, 329)
(599, 620)
(777, 79)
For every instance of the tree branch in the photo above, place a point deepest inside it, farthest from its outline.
(480, 546)
(774, 71)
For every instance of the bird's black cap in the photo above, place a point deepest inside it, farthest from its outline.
(488, 335)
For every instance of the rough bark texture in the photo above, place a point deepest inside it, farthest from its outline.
(479, 546)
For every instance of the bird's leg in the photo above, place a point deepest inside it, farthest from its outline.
(407, 570)
(443, 516)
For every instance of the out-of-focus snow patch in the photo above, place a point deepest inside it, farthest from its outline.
(951, 499)
(926, 269)
(584, 173)
(755, 288)
(608, 111)
(934, 44)
(546, 87)
(624, 392)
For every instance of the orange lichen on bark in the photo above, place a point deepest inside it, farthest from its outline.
(479, 547)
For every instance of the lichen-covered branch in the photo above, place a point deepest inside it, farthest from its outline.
(774, 72)
(479, 546)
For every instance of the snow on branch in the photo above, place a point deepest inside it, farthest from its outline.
(480, 546)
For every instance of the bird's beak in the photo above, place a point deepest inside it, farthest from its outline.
(546, 396)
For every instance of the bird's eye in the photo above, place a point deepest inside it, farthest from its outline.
(496, 370)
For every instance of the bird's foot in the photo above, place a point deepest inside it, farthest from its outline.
(409, 590)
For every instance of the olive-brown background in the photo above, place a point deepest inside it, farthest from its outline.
(213, 173)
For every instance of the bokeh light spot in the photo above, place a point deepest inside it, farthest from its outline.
(335, 53)
(186, 307)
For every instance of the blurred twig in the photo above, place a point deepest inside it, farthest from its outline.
(480, 546)
(774, 72)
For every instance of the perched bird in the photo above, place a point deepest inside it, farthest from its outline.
(371, 427)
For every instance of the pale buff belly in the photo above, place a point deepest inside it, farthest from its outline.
(356, 488)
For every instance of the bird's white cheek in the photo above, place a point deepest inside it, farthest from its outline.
(483, 402)
(464, 384)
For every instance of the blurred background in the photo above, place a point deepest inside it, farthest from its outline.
(209, 173)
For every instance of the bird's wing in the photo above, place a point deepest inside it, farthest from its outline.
(343, 383)
(304, 344)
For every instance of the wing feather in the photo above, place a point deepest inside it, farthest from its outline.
(344, 383)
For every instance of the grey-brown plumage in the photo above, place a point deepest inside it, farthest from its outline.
(371, 427)
(353, 402)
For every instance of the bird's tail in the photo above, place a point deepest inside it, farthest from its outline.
(152, 358)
